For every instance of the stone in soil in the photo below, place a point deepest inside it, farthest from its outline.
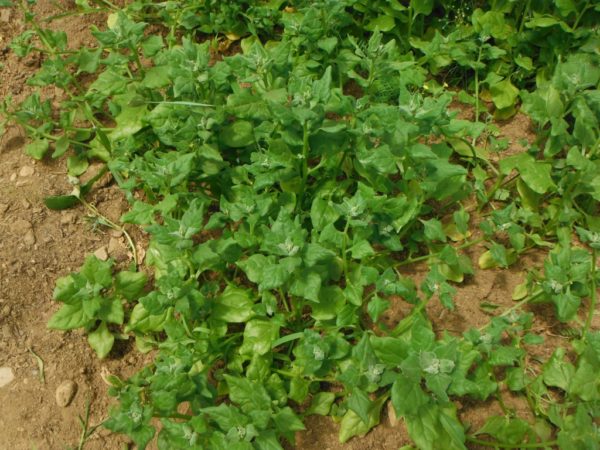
(6, 376)
(101, 254)
(29, 238)
(65, 393)
(67, 218)
(117, 249)
(26, 171)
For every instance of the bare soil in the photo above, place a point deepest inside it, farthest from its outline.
(38, 245)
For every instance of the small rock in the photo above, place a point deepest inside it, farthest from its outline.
(392, 414)
(25, 204)
(116, 233)
(5, 15)
(65, 393)
(117, 249)
(67, 218)
(13, 177)
(26, 171)
(101, 253)
(29, 238)
(6, 376)
(3, 208)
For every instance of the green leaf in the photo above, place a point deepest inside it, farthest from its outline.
(247, 394)
(233, 305)
(152, 45)
(69, 317)
(142, 321)
(237, 135)
(101, 340)
(321, 403)
(61, 146)
(130, 284)
(376, 307)
(89, 60)
(407, 396)
(307, 285)
(77, 165)
(537, 176)
(504, 94)
(424, 7)
(259, 335)
(97, 271)
(382, 23)
(156, 77)
(557, 372)
(38, 148)
(59, 202)
(433, 230)
(352, 425)
(360, 403)
(287, 422)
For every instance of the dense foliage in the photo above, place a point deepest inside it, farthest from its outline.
(284, 186)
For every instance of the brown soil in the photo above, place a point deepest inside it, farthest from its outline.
(38, 245)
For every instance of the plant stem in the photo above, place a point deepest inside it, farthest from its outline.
(431, 255)
(525, 14)
(114, 226)
(515, 446)
(588, 322)
(477, 88)
(305, 152)
(410, 22)
(580, 15)
(345, 249)
(526, 300)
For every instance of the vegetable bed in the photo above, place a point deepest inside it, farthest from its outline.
(294, 165)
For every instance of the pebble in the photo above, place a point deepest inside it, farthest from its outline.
(5, 15)
(13, 177)
(65, 393)
(26, 171)
(117, 250)
(391, 412)
(67, 218)
(6, 376)
(101, 253)
(25, 204)
(29, 238)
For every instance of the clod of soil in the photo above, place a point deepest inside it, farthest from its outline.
(65, 393)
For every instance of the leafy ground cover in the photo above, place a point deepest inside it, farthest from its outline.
(287, 160)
